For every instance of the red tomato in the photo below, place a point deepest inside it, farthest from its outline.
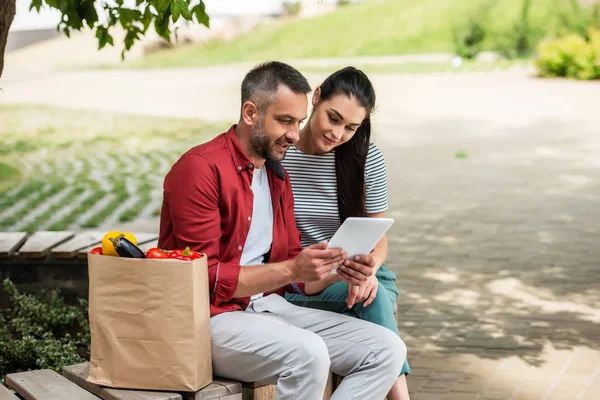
(156, 253)
(96, 250)
(178, 255)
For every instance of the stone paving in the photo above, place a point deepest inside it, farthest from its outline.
(497, 254)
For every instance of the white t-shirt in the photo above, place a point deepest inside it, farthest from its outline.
(260, 236)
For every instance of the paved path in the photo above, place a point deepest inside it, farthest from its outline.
(497, 255)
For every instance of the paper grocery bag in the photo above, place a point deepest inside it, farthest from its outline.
(150, 323)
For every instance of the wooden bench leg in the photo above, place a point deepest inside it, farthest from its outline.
(262, 391)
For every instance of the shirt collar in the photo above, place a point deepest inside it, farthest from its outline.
(241, 160)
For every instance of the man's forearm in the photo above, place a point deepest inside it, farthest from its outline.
(263, 278)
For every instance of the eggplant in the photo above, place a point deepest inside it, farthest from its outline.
(126, 249)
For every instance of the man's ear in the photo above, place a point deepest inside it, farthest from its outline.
(316, 96)
(249, 113)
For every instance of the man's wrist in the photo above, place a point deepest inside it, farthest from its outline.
(290, 270)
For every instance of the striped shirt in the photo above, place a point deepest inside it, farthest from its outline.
(315, 191)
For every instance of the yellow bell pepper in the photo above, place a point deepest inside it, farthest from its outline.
(107, 246)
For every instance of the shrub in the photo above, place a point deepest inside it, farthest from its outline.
(469, 39)
(575, 18)
(571, 56)
(519, 41)
(41, 332)
(292, 7)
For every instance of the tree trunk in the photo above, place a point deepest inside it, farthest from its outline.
(8, 9)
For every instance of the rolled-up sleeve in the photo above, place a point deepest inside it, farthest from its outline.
(192, 194)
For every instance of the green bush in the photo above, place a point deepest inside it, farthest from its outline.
(469, 39)
(575, 18)
(519, 41)
(292, 7)
(41, 332)
(571, 56)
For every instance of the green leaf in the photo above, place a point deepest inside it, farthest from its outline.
(461, 154)
(119, 2)
(162, 6)
(88, 12)
(131, 37)
(128, 15)
(161, 24)
(175, 10)
(180, 7)
(147, 18)
(37, 4)
(139, 2)
(103, 37)
(186, 12)
(200, 12)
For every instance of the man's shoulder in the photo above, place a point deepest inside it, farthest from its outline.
(203, 157)
(211, 150)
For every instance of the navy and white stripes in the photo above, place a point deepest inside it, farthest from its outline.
(315, 191)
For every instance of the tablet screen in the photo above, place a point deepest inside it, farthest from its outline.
(359, 235)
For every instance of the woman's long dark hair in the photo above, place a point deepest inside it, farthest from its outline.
(351, 157)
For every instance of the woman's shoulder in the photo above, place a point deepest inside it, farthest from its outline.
(374, 156)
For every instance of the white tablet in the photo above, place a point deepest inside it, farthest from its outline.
(359, 235)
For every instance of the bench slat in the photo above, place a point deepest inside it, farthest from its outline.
(40, 243)
(218, 389)
(78, 374)
(6, 394)
(46, 384)
(10, 242)
(82, 240)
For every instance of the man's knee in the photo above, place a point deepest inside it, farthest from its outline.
(311, 355)
(393, 351)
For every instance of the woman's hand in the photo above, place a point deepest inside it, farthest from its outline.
(355, 272)
(367, 291)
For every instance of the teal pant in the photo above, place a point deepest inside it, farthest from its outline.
(380, 311)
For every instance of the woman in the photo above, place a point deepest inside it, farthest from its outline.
(337, 173)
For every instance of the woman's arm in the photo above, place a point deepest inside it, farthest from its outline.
(380, 252)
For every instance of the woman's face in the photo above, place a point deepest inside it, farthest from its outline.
(334, 121)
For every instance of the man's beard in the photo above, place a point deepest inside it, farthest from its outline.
(261, 142)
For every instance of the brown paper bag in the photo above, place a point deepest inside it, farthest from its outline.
(150, 323)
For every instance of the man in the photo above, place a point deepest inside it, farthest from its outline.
(231, 199)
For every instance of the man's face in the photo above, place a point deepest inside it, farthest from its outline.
(279, 125)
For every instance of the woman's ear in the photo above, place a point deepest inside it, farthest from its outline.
(249, 113)
(316, 96)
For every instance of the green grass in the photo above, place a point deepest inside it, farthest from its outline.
(55, 137)
(367, 29)
(424, 68)
(9, 175)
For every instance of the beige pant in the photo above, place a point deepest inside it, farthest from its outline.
(295, 347)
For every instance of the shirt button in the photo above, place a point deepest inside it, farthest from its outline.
(239, 168)
(250, 187)
(250, 166)
(249, 218)
(239, 247)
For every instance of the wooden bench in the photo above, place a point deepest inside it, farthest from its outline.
(49, 385)
(70, 247)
